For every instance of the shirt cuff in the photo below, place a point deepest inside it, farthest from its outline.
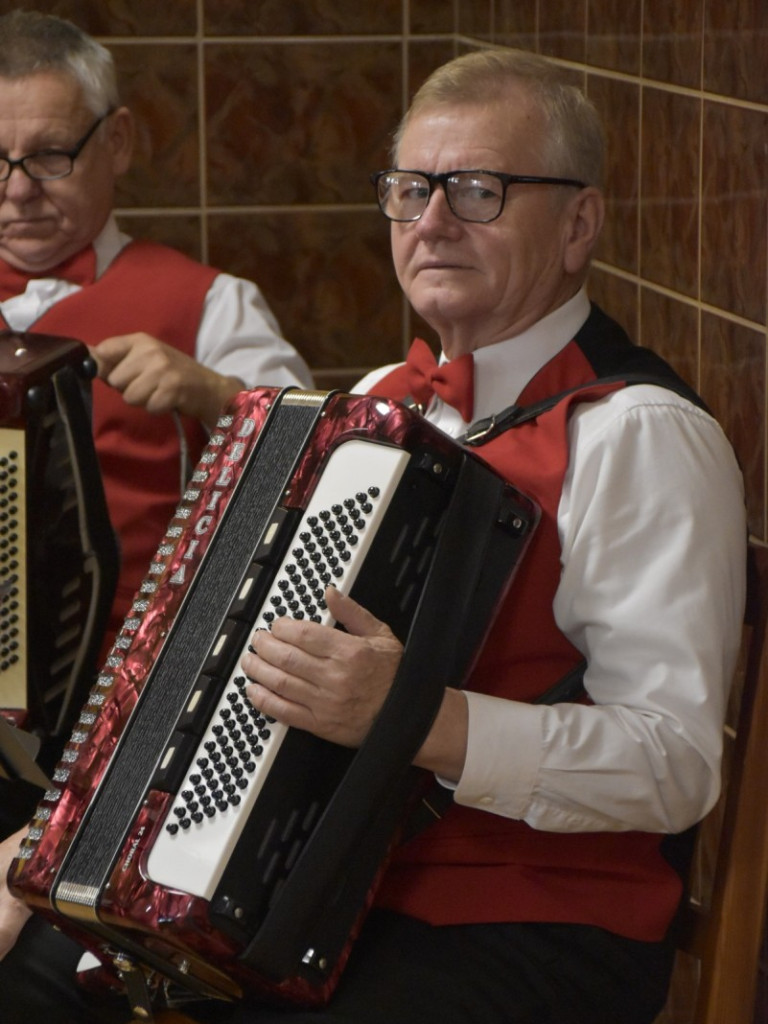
(503, 755)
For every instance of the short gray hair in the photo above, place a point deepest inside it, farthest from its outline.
(31, 42)
(575, 146)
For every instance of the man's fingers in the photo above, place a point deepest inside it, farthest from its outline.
(109, 352)
(353, 617)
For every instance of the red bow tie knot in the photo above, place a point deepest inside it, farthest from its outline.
(79, 269)
(453, 382)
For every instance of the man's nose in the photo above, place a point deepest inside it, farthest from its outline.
(19, 184)
(438, 215)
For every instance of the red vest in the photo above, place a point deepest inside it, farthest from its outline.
(154, 289)
(473, 866)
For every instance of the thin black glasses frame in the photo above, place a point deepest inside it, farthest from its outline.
(72, 153)
(433, 180)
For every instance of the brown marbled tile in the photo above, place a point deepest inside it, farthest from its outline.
(514, 24)
(432, 16)
(618, 103)
(735, 209)
(475, 18)
(425, 57)
(617, 297)
(669, 202)
(105, 18)
(671, 328)
(672, 41)
(733, 377)
(299, 123)
(613, 34)
(735, 49)
(327, 276)
(159, 84)
(181, 231)
(300, 17)
(563, 29)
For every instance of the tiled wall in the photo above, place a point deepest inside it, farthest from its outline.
(260, 121)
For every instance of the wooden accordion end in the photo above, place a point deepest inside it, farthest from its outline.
(186, 832)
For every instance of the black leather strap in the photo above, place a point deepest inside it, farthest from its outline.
(514, 415)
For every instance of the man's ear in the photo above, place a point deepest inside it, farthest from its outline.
(121, 131)
(584, 224)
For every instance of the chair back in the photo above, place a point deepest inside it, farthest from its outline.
(716, 972)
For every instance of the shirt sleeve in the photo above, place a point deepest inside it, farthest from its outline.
(653, 534)
(239, 337)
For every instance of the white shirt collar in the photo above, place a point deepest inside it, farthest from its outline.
(503, 370)
(107, 244)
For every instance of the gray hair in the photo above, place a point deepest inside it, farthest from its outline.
(31, 42)
(575, 142)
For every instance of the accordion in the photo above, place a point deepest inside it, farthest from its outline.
(58, 553)
(187, 834)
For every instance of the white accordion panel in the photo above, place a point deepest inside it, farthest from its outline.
(234, 756)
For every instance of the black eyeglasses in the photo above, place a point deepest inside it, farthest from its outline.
(49, 164)
(476, 196)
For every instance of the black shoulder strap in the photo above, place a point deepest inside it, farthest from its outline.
(487, 429)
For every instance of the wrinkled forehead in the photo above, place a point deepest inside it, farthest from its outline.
(44, 108)
(41, 93)
(508, 133)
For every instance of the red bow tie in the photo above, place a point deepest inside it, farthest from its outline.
(453, 382)
(79, 269)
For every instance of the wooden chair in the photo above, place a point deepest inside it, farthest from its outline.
(716, 973)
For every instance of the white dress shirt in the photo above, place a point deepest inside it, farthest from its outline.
(652, 528)
(238, 334)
